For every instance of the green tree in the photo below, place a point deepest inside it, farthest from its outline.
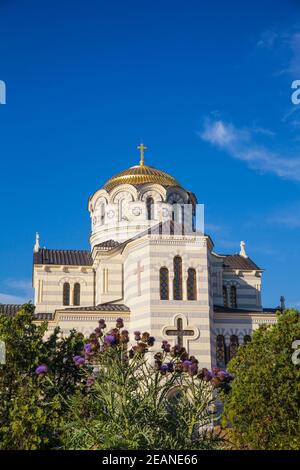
(263, 408)
(31, 411)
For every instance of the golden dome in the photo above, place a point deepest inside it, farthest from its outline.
(141, 174)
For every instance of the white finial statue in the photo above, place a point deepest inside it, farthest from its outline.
(242, 250)
(37, 243)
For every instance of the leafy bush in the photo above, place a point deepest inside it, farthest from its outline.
(131, 402)
(263, 408)
(31, 411)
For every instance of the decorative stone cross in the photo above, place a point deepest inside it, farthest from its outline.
(138, 273)
(180, 332)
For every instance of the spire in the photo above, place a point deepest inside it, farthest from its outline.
(242, 250)
(37, 243)
(142, 149)
(282, 303)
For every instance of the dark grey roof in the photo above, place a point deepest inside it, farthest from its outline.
(107, 307)
(9, 310)
(108, 244)
(239, 262)
(43, 316)
(63, 257)
(221, 309)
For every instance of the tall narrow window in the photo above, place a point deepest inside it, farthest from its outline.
(66, 293)
(102, 214)
(233, 300)
(247, 339)
(191, 284)
(225, 297)
(164, 283)
(76, 294)
(122, 203)
(220, 351)
(177, 282)
(234, 344)
(149, 205)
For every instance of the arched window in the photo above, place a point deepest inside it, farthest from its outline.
(233, 347)
(220, 351)
(247, 339)
(102, 213)
(177, 282)
(164, 283)
(66, 293)
(233, 299)
(76, 294)
(191, 284)
(122, 203)
(225, 297)
(149, 206)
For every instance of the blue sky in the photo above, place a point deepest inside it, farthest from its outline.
(206, 86)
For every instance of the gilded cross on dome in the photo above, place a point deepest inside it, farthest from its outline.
(142, 149)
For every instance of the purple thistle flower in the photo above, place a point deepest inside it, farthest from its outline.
(119, 323)
(78, 360)
(187, 363)
(102, 324)
(110, 339)
(90, 381)
(88, 348)
(41, 370)
(165, 346)
(137, 335)
(151, 341)
(164, 368)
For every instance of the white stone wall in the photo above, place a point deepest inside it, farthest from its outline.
(150, 313)
(48, 283)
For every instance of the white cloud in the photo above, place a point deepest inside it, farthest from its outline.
(12, 299)
(16, 291)
(288, 217)
(240, 144)
(23, 284)
(267, 39)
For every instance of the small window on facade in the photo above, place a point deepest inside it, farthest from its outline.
(177, 282)
(149, 206)
(225, 297)
(66, 293)
(233, 299)
(76, 294)
(220, 351)
(234, 345)
(191, 284)
(247, 339)
(164, 284)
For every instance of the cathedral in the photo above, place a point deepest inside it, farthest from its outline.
(151, 263)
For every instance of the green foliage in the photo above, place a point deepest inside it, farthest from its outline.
(31, 411)
(263, 409)
(132, 404)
